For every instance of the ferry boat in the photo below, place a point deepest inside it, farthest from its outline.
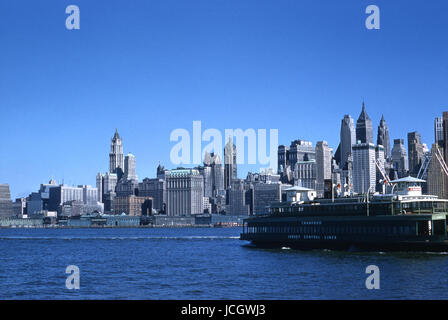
(405, 220)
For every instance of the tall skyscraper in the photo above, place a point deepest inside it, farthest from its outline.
(213, 173)
(348, 138)
(437, 182)
(438, 131)
(383, 138)
(415, 152)
(400, 158)
(129, 167)
(364, 169)
(445, 135)
(230, 165)
(380, 158)
(100, 186)
(324, 156)
(364, 129)
(116, 156)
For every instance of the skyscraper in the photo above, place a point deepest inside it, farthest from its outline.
(230, 166)
(129, 167)
(364, 129)
(415, 152)
(184, 192)
(324, 155)
(348, 138)
(437, 182)
(239, 203)
(213, 175)
(438, 131)
(383, 138)
(116, 156)
(380, 158)
(364, 169)
(400, 158)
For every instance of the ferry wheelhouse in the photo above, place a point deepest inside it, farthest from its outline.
(405, 220)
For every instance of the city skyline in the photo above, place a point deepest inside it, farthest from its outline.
(60, 106)
(122, 167)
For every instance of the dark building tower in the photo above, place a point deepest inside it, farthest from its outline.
(438, 131)
(348, 139)
(230, 166)
(116, 156)
(364, 129)
(445, 135)
(400, 158)
(415, 152)
(383, 138)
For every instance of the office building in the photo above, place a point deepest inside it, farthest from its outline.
(133, 205)
(184, 192)
(156, 189)
(364, 129)
(437, 182)
(348, 138)
(305, 174)
(438, 131)
(116, 156)
(400, 158)
(364, 168)
(324, 157)
(129, 167)
(383, 138)
(6, 208)
(239, 198)
(230, 163)
(415, 152)
(265, 194)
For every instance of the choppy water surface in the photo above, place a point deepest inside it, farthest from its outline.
(201, 263)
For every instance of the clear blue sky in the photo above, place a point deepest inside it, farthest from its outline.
(149, 67)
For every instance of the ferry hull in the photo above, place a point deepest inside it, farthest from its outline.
(428, 245)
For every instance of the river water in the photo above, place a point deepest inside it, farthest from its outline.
(201, 263)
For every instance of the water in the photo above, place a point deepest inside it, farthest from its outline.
(201, 263)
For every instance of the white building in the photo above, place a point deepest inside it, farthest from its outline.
(305, 173)
(364, 168)
(129, 167)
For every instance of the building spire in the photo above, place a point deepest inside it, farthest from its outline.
(116, 135)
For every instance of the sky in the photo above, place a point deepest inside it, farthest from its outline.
(150, 67)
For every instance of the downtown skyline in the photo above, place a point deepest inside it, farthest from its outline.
(267, 65)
